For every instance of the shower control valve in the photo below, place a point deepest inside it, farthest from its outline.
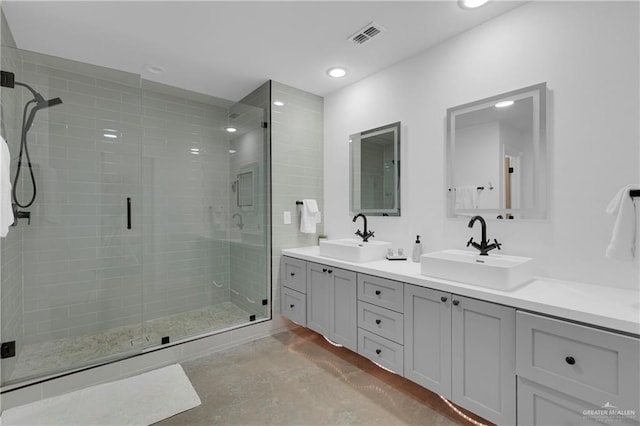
(18, 214)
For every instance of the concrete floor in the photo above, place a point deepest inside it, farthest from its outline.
(297, 378)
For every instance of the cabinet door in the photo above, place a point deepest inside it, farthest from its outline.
(342, 309)
(483, 359)
(427, 340)
(318, 298)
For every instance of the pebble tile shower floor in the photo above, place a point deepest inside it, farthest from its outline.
(62, 354)
(297, 378)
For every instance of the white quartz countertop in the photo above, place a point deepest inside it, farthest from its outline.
(607, 307)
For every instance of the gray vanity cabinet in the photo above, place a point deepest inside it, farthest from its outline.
(542, 406)
(427, 344)
(331, 304)
(575, 374)
(381, 321)
(293, 292)
(483, 361)
(462, 349)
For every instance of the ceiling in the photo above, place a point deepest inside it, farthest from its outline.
(228, 48)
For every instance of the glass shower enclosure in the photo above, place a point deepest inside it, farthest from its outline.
(149, 223)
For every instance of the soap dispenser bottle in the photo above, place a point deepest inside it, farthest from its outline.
(417, 250)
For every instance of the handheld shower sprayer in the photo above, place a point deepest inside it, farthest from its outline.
(8, 80)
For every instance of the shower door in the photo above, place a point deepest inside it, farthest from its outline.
(72, 272)
(150, 220)
(203, 255)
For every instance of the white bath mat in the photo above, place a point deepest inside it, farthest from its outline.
(139, 400)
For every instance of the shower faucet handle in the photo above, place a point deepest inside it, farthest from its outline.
(18, 214)
(25, 215)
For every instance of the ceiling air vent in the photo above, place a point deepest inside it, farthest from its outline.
(367, 33)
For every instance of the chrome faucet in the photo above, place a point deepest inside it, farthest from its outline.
(240, 225)
(484, 247)
(366, 234)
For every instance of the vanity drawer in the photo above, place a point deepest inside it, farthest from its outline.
(294, 306)
(381, 292)
(382, 351)
(541, 406)
(293, 274)
(381, 321)
(591, 364)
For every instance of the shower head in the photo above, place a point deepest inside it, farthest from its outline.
(53, 102)
(41, 103)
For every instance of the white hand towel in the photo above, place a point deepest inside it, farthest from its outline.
(309, 216)
(623, 243)
(466, 197)
(6, 212)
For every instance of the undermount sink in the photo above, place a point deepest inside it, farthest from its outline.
(494, 271)
(354, 250)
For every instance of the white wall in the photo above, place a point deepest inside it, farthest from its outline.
(588, 55)
(477, 162)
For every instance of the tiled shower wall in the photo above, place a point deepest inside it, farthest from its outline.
(11, 245)
(84, 270)
(297, 152)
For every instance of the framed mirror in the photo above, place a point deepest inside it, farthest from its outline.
(497, 156)
(375, 171)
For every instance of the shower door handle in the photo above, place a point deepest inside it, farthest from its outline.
(128, 212)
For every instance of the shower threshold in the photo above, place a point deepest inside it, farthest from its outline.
(68, 353)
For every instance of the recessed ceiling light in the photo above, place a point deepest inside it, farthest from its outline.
(503, 104)
(337, 72)
(231, 129)
(278, 103)
(195, 151)
(154, 69)
(471, 4)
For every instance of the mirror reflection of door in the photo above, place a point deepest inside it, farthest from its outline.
(507, 182)
(512, 183)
